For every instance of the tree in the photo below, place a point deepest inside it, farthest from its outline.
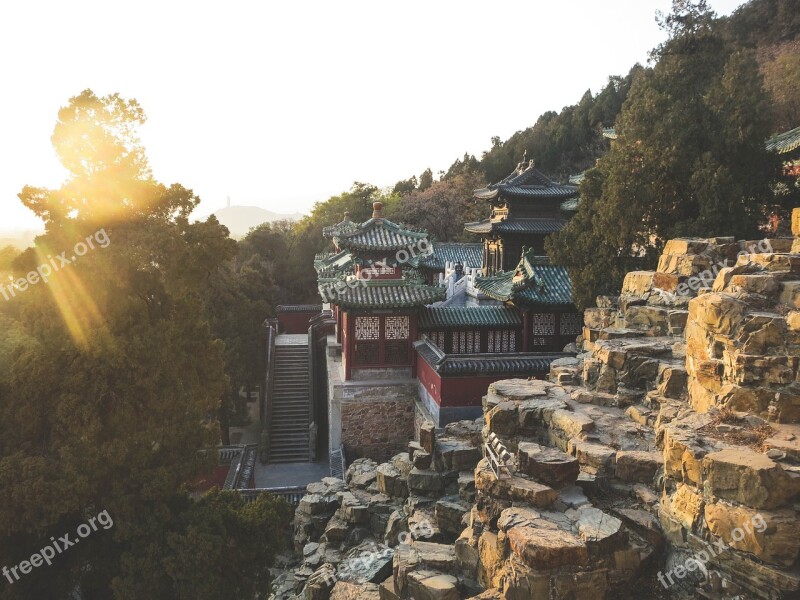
(425, 180)
(217, 547)
(444, 207)
(690, 158)
(119, 383)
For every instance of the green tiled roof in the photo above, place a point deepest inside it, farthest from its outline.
(527, 182)
(380, 294)
(535, 281)
(517, 364)
(341, 227)
(571, 204)
(610, 133)
(379, 235)
(526, 226)
(469, 255)
(785, 142)
(577, 179)
(331, 263)
(438, 318)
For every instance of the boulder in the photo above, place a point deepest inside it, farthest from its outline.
(430, 585)
(635, 466)
(539, 542)
(548, 465)
(425, 482)
(748, 477)
(390, 481)
(514, 488)
(769, 535)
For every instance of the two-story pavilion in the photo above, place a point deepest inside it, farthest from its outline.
(376, 293)
(526, 207)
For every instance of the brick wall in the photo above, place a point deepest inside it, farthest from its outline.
(377, 429)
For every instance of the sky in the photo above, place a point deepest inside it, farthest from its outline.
(283, 104)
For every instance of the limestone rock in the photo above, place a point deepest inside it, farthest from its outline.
(502, 419)
(427, 437)
(449, 514)
(601, 532)
(425, 482)
(390, 481)
(539, 542)
(599, 457)
(637, 466)
(769, 535)
(748, 477)
(512, 488)
(430, 585)
(320, 584)
(548, 465)
(344, 590)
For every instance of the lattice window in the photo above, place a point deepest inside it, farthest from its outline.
(494, 341)
(502, 341)
(466, 342)
(538, 341)
(570, 324)
(544, 324)
(397, 328)
(437, 337)
(509, 341)
(368, 328)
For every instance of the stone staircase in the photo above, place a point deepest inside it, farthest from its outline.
(289, 425)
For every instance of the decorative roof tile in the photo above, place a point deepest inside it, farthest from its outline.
(469, 255)
(610, 133)
(379, 235)
(527, 182)
(293, 308)
(380, 294)
(332, 263)
(438, 318)
(785, 142)
(535, 226)
(518, 364)
(534, 282)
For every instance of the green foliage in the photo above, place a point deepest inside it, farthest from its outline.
(690, 159)
(443, 208)
(562, 144)
(217, 547)
(116, 381)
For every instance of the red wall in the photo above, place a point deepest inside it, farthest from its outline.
(295, 322)
(468, 390)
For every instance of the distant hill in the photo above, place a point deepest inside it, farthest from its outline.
(241, 219)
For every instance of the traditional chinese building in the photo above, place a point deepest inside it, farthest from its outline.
(408, 346)
(526, 207)
(376, 293)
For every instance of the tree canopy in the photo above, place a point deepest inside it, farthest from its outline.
(689, 160)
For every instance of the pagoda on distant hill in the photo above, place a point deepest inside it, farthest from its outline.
(526, 207)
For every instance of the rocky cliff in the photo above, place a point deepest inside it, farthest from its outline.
(661, 462)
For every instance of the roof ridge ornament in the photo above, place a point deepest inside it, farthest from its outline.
(377, 210)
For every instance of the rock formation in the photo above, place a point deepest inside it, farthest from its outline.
(662, 461)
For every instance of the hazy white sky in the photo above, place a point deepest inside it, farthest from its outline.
(281, 104)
